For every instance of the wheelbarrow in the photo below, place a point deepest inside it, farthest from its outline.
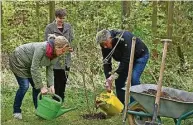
(142, 109)
(48, 108)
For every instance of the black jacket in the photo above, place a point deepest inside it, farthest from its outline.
(122, 51)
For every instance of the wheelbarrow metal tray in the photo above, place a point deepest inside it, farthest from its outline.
(168, 107)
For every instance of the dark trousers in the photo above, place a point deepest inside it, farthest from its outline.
(23, 87)
(138, 68)
(60, 79)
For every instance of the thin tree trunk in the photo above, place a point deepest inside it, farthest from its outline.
(154, 19)
(181, 57)
(52, 10)
(1, 36)
(180, 53)
(86, 93)
(126, 5)
(170, 19)
(37, 21)
(1, 22)
(93, 84)
(154, 30)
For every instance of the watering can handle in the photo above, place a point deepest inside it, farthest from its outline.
(51, 95)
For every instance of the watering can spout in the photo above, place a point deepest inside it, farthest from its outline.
(63, 110)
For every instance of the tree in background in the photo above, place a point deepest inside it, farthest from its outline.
(52, 11)
(20, 25)
(154, 31)
(126, 5)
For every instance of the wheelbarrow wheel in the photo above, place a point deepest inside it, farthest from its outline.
(135, 119)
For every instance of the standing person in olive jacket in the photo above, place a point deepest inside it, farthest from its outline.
(59, 27)
(26, 62)
(117, 44)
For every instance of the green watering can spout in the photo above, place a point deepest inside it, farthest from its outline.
(63, 110)
(48, 108)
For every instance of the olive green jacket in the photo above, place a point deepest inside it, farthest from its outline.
(26, 62)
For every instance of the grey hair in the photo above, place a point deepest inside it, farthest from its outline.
(102, 35)
(60, 42)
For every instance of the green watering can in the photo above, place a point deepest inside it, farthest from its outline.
(48, 108)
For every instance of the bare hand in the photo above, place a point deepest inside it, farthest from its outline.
(44, 90)
(51, 89)
(108, 84)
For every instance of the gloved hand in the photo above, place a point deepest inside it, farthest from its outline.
(51, 89)
(44, 90)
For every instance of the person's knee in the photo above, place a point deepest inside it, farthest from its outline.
(24, 87)
(135, 82)
(135, 78)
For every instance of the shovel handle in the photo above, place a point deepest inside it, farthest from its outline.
(166, 42)
(127, 92)
(159, 87)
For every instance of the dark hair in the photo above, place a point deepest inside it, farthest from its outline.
(60, 13)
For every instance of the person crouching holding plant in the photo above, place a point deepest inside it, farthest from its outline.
(26, 62)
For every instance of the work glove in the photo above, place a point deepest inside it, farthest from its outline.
(109, 82)
(51, 89)
(44, 90)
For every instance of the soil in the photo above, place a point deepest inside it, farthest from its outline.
(99, 115)
(163, 94)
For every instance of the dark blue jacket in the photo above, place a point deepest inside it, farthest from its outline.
(122, 51)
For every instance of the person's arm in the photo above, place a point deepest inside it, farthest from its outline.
(49, 75)
(71, 34)
(50, 78)
(47, 31)
(68, 55)
(35, 68)
(107, 66)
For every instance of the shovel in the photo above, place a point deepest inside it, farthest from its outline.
(159, 87)
(127, 93)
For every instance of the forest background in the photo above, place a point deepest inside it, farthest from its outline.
(25, 21)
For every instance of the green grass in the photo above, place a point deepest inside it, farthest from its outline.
(74, 98)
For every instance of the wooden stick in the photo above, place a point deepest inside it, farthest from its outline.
(159, 86)
(128, 85)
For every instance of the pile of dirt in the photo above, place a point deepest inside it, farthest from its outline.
(99, 115)
(163, 94)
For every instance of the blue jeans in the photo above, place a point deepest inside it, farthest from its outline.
(138, 68)
(23, 87)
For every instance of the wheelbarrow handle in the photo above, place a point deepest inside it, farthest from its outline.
(51, 94)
